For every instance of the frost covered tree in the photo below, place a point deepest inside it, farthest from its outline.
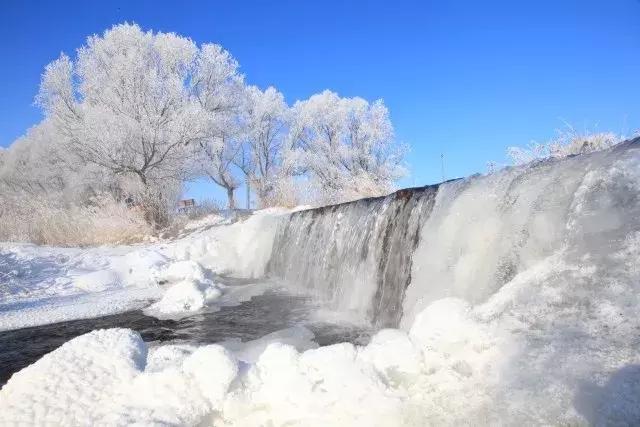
(218, 90)
(125, 105)
(38, 165)
(265, 120)
(32, 163)
(49, 196)
(216, 156)
(346, 146)
(136, 113)
(216, 82)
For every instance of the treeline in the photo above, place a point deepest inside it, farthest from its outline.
(134, 115)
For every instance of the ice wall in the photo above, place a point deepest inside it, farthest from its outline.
(485, 230)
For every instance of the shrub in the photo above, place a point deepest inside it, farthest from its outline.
(568, 142)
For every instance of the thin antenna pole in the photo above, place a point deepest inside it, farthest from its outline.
(248, 194)
(442, 165)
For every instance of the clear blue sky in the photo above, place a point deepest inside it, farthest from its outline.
(463, 78)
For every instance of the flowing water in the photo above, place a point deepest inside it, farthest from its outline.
(356, 256)
(261, 315)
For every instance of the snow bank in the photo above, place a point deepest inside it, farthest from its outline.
(43, 284)
(241, 249)
(187, 387)
(206, 221)
(386, 383)
(76, 306)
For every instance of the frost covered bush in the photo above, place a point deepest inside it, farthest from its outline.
(568, 142)
(49, 196)
(285, 191)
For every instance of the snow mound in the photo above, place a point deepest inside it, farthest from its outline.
(182, 270)
(183, 394)
(184, 297)
(396, 365)
(141, 267)
(68, 385)
(298, 337)
(100, 379)
(190, 290)
(97, 281)
(320, 387)
(165, 356)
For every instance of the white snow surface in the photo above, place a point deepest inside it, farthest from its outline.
(206, 221)
(40, 284)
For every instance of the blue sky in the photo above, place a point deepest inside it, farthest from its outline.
(463, 78)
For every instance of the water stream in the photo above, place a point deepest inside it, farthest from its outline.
(261, 315)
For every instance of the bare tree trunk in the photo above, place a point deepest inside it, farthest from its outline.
(232, 202)
(153, 207)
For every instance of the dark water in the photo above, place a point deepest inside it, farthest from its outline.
(259, 316)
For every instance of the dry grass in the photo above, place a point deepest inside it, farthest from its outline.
(104, 221)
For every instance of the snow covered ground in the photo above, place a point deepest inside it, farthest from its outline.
(40, 285)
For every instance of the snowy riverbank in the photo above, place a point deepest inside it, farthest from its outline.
(41, 284)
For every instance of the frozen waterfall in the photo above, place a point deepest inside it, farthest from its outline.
(386, 258)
